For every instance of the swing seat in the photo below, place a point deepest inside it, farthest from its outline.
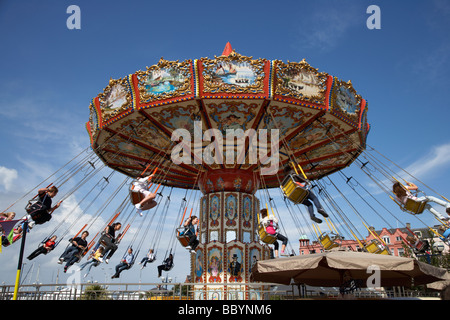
(327, 242)
(264, 236)
(414, 206)
(135, 197)
(182, 237)
(421, 246)
(374, 247)
(292, 190)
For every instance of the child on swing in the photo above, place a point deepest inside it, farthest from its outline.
(402, 194)
(190, 224)
(271, 224)
(141, 185)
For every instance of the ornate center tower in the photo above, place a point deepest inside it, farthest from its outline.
(229, 244)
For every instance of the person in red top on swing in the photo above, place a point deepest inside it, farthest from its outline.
(48, 246)
(311, 198)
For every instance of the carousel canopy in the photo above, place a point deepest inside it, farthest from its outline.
(176, 116)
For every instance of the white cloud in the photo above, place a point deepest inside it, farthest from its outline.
(323, 29)
(435, 161)
(7, 178)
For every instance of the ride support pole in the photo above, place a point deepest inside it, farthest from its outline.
(19, 265)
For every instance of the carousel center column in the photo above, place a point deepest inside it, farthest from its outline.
(229, 244)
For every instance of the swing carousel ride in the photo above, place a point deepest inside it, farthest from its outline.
(321, 123)
(224, 129)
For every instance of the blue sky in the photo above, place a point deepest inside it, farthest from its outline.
(49, 74)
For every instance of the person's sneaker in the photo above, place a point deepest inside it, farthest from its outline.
(317, 220)
(65, 269)
(138, 209)
(284, 254)
(60, 260)
(322, 212)
(192, 251)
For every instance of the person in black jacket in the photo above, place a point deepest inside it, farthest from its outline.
(73, 253)
(45, 197)
(190, 224)
(166, 266)
(110, 239)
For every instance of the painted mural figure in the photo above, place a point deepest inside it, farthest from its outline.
(214, 265)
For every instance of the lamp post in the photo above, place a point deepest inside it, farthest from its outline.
(19, 265)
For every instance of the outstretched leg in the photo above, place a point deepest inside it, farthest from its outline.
(147, 203)
(317, 203)
(310, 207)
(438, 201)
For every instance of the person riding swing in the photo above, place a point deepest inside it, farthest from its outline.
(141, 185)
(311, 198)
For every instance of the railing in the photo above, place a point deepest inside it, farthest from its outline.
(190, 291)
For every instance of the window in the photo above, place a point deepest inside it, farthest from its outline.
(214, 235)
(387, 239)
(230, 235)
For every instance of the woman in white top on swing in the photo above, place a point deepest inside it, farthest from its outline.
(141, 184)
(403, 193)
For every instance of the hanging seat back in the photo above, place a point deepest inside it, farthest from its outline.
(264, 236)
(292, 190)
(182, 237)
(414, 206)
(135, 197)
(421, 246)
(375, 247)
(327, 242)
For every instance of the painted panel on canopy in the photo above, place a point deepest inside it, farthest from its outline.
(334, 154)
(233, 74)
(300, 81)
(232, 114)
(288, 118)
(165, 80)
(177, 116)
(94, 121)
(345, 101)
(139, 128)
(316, 133)
(115, 99)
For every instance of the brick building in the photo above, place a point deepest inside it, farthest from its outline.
(393, 238)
